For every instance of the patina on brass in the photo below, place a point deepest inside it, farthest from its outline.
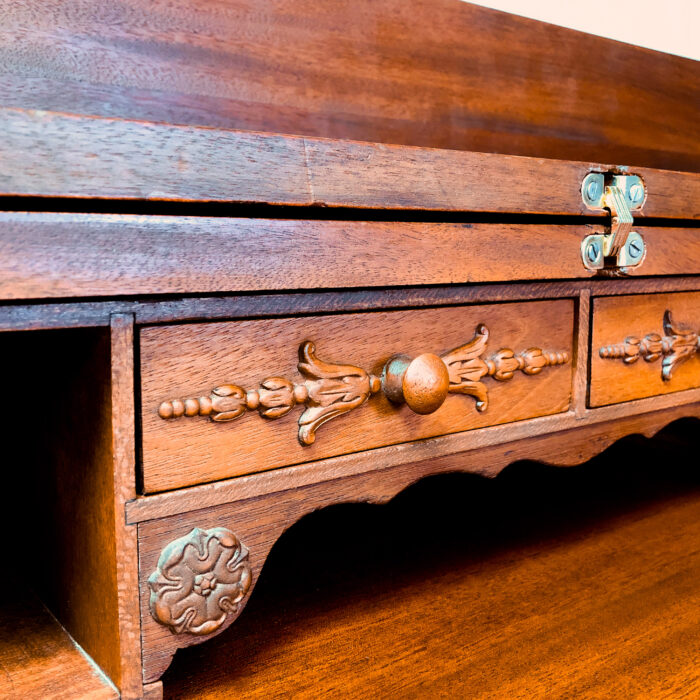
(618, 249)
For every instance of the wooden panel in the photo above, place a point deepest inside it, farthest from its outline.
(38, 659)
(542, 584)
(97, 255)
(259, 521)
(564, 441)
(183, 361)
(635, 317)
(58, 155)
(124, 568)
(89, 314)
(438, 73)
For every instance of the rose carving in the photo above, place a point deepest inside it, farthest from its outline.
(201, 578)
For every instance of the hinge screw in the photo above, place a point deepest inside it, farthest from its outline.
(635, 248)
(636, 193)
(593, 191)
(593, 251)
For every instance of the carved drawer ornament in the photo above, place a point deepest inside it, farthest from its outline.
(674, 347)
(201, 578)
(330, 390)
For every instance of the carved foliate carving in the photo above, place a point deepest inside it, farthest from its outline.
(331, 390)
(466, 366)
(201, 579)
(674, 347)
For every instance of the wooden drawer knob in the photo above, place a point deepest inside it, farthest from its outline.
(421, 383)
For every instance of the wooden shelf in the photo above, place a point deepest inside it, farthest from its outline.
(38, 658)
(543, 583)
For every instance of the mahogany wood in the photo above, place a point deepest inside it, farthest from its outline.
(73, 486)
(437, 73)
(614, 319)
(176, 136)
(153, 691)
(557, 426)
(541, 584)
(258, 522)
(190, 360)
(582, 350)
(90, 314)
(70, 156)
(77, 471)
(123, 488)
(38, 659)
(100, 255)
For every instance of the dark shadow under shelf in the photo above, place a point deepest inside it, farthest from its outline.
(543, 583)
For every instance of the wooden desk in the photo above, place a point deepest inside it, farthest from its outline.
(212, 329)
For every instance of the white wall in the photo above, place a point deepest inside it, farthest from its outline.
(664, 25)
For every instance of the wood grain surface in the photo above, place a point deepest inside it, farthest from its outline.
(102, 255)
(38, 659)
(87, 313)
(616, 319)
(58, 155)
(437, 73)
(545, 584)
(124, 567)
(258, 522)
(66, 475)
(77, 470)
(597, 429)
(190, 360)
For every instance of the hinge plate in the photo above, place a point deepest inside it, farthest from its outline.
(619, 248)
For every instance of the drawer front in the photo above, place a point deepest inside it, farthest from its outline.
(317, 381)
(644, 346)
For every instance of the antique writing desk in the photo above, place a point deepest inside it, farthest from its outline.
(478, 245)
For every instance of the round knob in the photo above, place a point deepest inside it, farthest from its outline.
(422, 383)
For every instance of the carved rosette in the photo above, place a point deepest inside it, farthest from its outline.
(674, 347)
(331, 390)
(201, 579)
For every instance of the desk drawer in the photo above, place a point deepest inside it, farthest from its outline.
(322, 385)
(644, 346)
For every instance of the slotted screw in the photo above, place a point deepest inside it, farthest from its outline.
(636, 193)
(593, 191)
(635, 248)
(593, 251)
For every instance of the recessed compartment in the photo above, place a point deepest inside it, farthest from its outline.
(59, 596)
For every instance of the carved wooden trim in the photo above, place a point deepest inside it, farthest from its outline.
(674, 347)
(466, 368)
(330, 390)
(286, 506)
(200, 580)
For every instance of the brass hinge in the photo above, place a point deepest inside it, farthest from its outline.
(618, 249)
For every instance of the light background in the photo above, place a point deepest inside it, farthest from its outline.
(672, 26)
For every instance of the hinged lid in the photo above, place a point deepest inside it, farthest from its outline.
(58, 155)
